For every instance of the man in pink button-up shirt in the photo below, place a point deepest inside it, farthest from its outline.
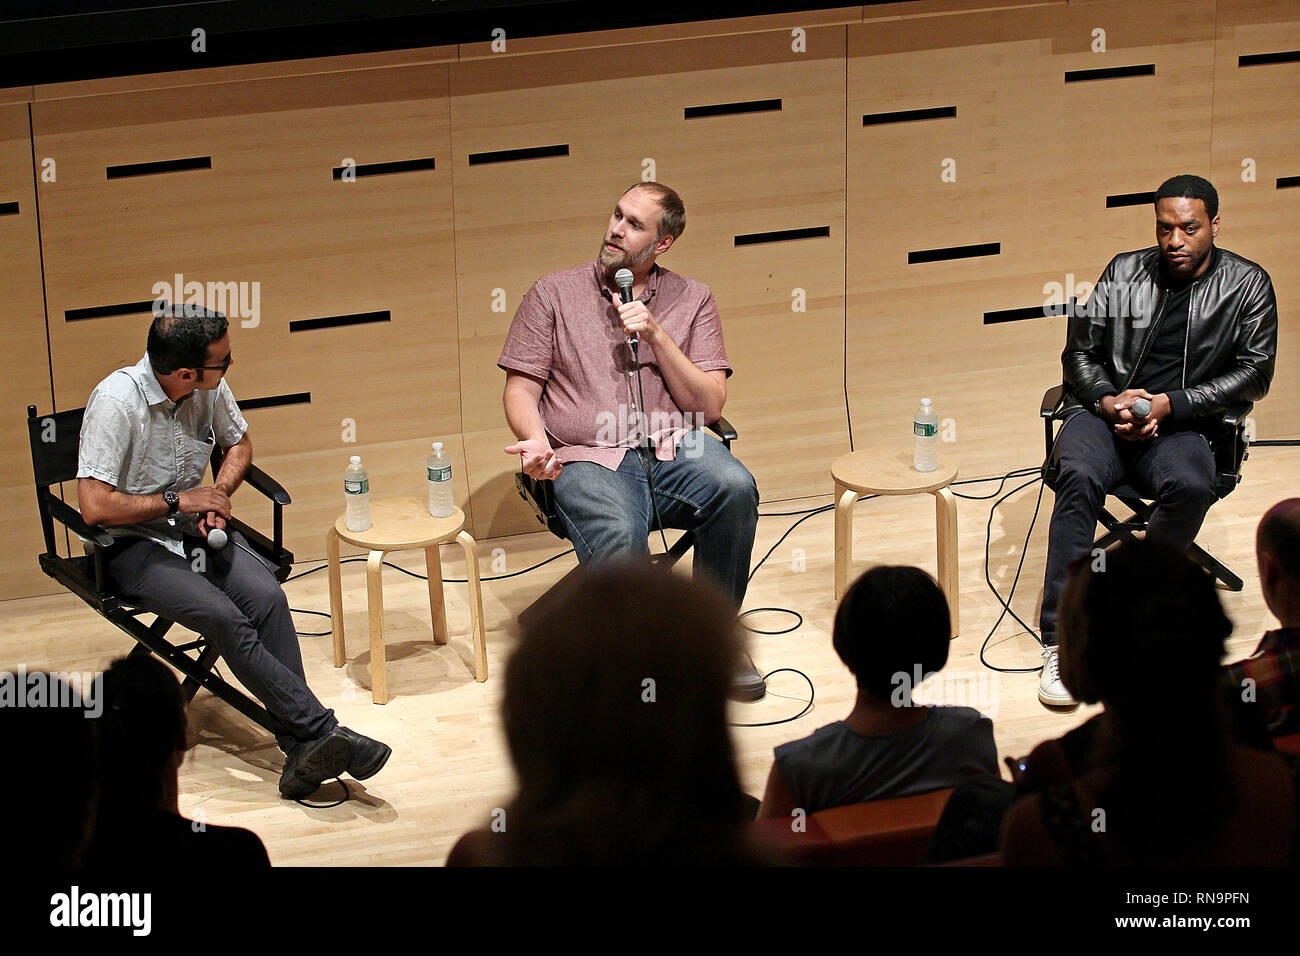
(579, 399)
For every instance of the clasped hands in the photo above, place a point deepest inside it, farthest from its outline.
(1117, 410)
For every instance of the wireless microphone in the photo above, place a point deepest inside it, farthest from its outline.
(216, 539)
(1141, 408)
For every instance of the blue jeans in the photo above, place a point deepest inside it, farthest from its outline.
(704, 489)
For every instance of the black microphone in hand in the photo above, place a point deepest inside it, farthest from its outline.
(624, 277)
(1141, 408)
(217, 539)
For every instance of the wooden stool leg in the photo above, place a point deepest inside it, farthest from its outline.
(845, 499)
(945, 508)
(470, 546)
(378, 659)
(336, 597)
(437, 602)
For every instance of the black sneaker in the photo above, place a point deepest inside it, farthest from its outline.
(747, 685)
(313, 763)
(366, 756)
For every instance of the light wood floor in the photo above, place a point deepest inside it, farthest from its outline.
(450, 768)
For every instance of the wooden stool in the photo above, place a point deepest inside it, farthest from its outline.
(889, 471)
(398, 524)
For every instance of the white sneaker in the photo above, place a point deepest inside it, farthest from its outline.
(1050, 689)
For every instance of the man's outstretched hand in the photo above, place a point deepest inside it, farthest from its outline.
(539, 459)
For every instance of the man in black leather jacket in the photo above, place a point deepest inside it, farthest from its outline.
(1189, 328)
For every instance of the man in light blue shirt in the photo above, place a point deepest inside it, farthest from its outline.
(146, 438)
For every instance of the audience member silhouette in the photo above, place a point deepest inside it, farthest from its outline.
(892, 631)
(49, 803)
(142, 743)
(1263, 691)
(1157, 780)
(615, 715)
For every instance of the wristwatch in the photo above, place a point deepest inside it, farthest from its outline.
(173, 502)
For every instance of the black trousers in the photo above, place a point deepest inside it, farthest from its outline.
(231, 598)
(1176, 468)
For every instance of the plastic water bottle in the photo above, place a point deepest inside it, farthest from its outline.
(441, 504)
(356, 491)
(925, 426)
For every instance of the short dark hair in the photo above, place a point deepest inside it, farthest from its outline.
(1188, 186)
(890, 621)
(179, 339)
(1140, 605)
(672, 218)
(1279, 535)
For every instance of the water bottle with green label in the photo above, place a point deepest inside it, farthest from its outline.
(925, 426)
(441, 504)
(356, 492)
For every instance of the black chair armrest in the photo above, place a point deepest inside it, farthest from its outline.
(71, 518)
(724, 430)
(1048, 409)
(1052, 399)
(1235, 414)
(1229, 448)
(267, 485)
(540, 495)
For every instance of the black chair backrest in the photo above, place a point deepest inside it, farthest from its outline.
(55, 439)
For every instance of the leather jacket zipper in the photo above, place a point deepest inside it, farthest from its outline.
(1162, 300)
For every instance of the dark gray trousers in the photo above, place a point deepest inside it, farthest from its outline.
(232, 599)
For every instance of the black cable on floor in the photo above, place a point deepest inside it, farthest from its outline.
(812, 693)
(347, 795)
(1006, 605)
(779, 610)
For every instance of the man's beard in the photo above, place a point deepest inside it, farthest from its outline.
(1187, 267)
(621, 259)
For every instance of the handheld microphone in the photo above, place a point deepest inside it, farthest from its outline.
(623, 277)
(217, 539)
(1141, 408)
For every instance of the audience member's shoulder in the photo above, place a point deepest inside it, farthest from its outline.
(1025, 838)
(818, 739)
(209, 844)
(959, 718)
(162, 840)
(476, 848)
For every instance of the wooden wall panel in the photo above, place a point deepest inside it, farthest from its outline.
(26, 379)
(269, 211)
(1255, 119)
(752, 172)
(1035, 158)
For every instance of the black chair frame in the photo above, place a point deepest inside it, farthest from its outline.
(1230, 448)
(54, 444)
